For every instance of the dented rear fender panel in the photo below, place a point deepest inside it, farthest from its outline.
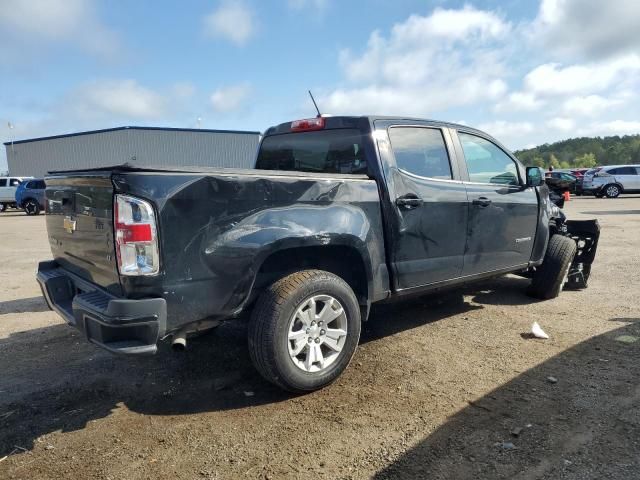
(216, 230)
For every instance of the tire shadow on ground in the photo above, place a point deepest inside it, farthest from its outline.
(24, 305)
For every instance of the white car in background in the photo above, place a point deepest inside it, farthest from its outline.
(612, 180)
(8, 187)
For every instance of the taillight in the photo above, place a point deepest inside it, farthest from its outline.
(307, 124)
(135, 236)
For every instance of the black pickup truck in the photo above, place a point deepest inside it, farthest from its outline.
(339, 213)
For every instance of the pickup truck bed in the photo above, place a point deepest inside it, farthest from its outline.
(236, 219)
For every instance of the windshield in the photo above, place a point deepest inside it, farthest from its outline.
(327, 151)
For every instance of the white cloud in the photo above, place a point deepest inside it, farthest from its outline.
(613, 127)
(226, 99)
(587, 28)
(561, 123)
(233, 21)
(463, 24)
(426, 64)
(588, 105)
(120, 98)
(508, 132)
(553, 79)
(72, 21)
(519, 101)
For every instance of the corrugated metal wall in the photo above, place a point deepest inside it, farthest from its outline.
(133, 145)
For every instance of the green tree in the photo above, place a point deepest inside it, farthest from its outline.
(588, 160)
(583, 152)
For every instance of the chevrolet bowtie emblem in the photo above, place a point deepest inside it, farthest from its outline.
(69, 225)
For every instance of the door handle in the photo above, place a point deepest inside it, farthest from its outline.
(482, 202)
(409, 201)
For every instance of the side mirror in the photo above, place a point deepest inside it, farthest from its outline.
(535, 177)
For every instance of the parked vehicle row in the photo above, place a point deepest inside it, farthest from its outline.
(612, 181)
(24, 193)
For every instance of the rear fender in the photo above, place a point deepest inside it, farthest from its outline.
(243, 248)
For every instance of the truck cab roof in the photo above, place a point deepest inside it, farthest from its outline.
(354, 121)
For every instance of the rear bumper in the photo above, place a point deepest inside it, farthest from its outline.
(119, 325)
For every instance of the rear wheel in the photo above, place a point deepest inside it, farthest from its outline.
(612, 191)
(3, 207)
(31, 207)
(550, 277)
(304, 330)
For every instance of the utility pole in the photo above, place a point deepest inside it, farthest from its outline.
(10, 125)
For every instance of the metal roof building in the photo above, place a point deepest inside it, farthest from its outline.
(135, 145)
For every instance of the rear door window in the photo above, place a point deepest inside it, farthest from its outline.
(39, 184)
(421, 151)
(14, 182)
(486, 162)
(326, 151)
(623, 171)
(3, 182)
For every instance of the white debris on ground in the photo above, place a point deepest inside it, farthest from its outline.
(536, 331)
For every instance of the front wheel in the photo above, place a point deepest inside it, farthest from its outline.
(3, 207)
(31, 207)
(612, 191)
(304, 330)
(550, 277)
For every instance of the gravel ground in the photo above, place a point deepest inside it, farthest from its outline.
(437, 389)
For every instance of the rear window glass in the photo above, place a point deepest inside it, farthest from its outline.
(622, 171)
(35, 185)
(327, 151)
(421, 151)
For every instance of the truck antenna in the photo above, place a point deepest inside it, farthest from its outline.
(314, 103)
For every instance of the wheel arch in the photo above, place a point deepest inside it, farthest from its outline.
(343, 259)
(616, 183)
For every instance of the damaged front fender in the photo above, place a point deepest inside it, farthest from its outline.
(586, 234)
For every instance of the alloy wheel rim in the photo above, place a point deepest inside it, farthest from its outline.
(612, 191)
(30, 207)
(317, 333)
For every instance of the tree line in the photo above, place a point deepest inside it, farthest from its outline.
(584, 152)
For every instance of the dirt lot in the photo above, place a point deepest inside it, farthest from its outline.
(436, 389)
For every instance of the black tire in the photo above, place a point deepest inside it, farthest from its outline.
(31, 207)
(269, 329)
(549, 278)
(612, 190)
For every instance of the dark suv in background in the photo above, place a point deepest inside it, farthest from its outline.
(30, 196)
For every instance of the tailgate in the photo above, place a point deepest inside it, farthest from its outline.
(79, 217)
